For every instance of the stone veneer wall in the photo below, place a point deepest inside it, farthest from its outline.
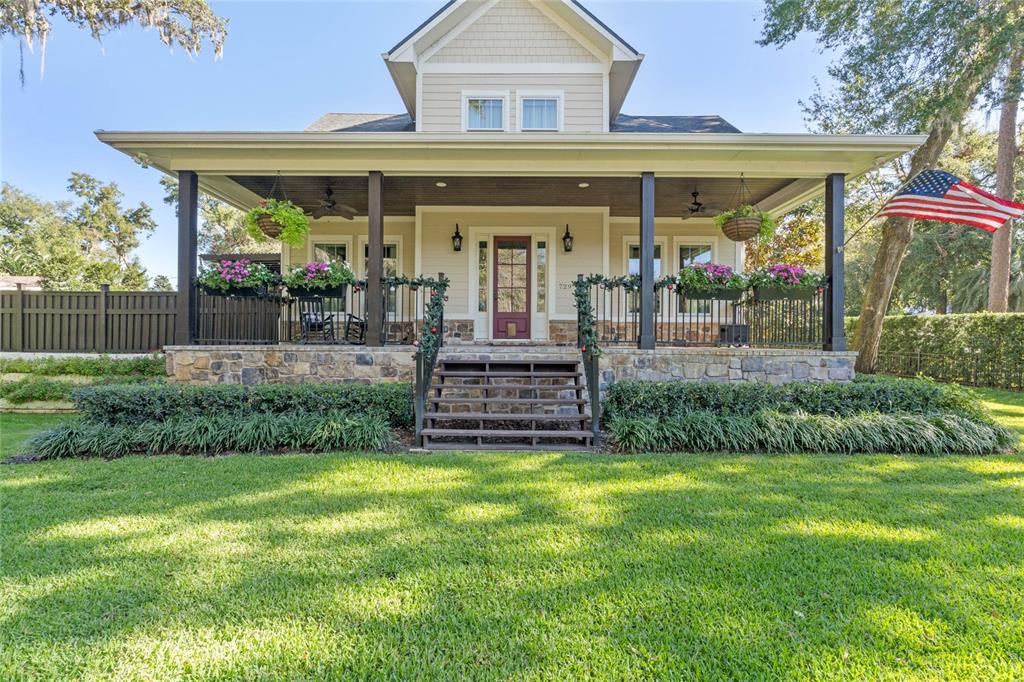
(286, 364)
(562, 331)
(774, 366)
(458, 331)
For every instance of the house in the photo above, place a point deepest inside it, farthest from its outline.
(25, 282)
(514, 170)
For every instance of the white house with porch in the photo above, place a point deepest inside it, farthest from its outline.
(513, 171)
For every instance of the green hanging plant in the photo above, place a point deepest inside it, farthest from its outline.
(767, 223)
(277, 219)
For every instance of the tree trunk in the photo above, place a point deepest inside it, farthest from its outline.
(896, 235)
(1006, 156)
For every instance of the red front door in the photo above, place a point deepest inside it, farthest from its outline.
(511, 287)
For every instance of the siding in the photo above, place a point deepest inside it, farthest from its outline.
(670, 232)
(583, 101)
(396, 230)
(514, 31)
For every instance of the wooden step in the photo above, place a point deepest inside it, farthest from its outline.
(506, 447)
(507, 401)
(504, 387)
(507, 417)
(464, 361)
(500, 433)
(503, 373)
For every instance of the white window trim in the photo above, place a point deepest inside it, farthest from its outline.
(329, 240)
(693, 241)
(557, 95)
(467, 95)
(629, 239)
(361, 243)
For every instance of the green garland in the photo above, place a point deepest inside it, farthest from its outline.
(432, 330)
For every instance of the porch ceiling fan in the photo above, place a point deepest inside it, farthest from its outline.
(329, 207)
(698, 209)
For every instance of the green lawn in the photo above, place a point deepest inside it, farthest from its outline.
(1007, 407)
(16, 428)
(526, 566)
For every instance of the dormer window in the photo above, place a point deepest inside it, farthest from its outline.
(540, 112)
(485, 113)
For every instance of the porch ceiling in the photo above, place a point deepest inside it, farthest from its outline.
(402, 194)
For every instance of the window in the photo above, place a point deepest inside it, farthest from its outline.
(332, 253)
(485, 113)
(482, 278)
(390, 270)
(539, 113)
(634, 269)
(542, 277)
(694, 254)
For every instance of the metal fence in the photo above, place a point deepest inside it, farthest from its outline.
(86, 321)
(969, 369)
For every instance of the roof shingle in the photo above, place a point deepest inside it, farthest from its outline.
(394, 123)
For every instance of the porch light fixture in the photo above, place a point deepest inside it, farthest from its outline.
(457, 239)
(567, 239)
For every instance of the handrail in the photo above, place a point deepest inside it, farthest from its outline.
(587, 342)
(430, 340)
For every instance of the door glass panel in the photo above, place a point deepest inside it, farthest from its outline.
(484, 278)
(512, 278)
(542, 277)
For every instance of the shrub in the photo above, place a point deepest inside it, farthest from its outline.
(213, 434)
(667, 399)
(118, 405)
(41, 388)
(777, 432)
(106, 365)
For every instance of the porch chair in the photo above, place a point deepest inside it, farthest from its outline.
(314, 321)
(355, 329)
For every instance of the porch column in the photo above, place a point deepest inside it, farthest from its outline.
(835, 295)
(188, 230)
(375, 259)
(647, 260)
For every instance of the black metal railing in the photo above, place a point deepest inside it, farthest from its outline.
(431, 338)
(969, 369)
(778, 319)
(333, 318)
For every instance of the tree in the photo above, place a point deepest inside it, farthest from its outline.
(185, 23)
(222, 228)
(1002, 240)
(161, 283)
(73, 246)
(103, 223)
(913, 66)
(799, 239)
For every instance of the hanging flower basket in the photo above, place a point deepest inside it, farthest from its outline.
(269, 226)
(742, 229)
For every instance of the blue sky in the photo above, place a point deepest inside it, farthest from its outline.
(285, 63)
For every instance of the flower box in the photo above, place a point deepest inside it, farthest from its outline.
(237, 292)
(719, 295)
(338, 291)
(784, 293)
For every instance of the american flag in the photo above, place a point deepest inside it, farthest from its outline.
(942, 196)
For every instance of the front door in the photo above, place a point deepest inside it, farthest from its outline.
(511, 287)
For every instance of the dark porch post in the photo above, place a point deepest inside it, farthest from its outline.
(188, 230)
(835, 294)
(647, 260)
(375, 259)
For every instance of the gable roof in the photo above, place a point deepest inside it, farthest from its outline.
(395, 123)
(619, 57)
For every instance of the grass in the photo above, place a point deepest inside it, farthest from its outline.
(526, 566)
(15, 429)
(1007, 407)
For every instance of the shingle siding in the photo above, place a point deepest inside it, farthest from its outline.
(512, 32)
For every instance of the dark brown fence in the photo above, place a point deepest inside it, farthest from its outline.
(969, 369)
(86, 321)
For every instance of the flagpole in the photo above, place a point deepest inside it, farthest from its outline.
(882, 207)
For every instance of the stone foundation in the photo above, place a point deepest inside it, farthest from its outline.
(562, 331)
(289, 364)
(773, 366)
(458, 331)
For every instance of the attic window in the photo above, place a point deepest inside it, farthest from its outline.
(485, 113)
(539, 113)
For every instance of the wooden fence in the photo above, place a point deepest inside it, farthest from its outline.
(86, 321)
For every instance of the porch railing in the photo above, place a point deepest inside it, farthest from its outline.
(681, 318)
(275, 318)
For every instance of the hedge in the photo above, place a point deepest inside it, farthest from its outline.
(776, 432)
(214, 434)
(125, 405)
(670, 399)
(986, 349)
(33, 388)
(151, 366)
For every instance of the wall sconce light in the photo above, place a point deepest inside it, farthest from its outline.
(567, 239)
(457, 239)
